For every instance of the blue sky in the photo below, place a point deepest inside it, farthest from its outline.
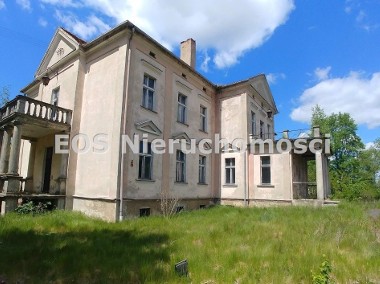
(312, 51)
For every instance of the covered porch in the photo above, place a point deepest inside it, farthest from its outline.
(27, 158)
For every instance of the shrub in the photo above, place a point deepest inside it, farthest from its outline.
(323, 276)
(34, 208)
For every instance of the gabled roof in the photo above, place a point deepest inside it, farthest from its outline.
(259, 83)
(61, 37)
(79, 40)
(77, 43)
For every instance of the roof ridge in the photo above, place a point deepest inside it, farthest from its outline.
(78, 39)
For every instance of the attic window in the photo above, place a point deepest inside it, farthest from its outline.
(184, 75)
(152, 54)
(60, 52)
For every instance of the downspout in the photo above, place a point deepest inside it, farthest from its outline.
(248, 163)
(123, 130)
(245, 178)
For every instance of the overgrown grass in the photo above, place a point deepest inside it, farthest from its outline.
(222, 245)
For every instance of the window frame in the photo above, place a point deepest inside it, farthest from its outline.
(253, 123)
(180, 167)
(266, 167)
(146, 89)
(230, 171)
(202, 169)
(142, 175)
(203, 118)
(262, 130)
(182, 108)
(54, 99)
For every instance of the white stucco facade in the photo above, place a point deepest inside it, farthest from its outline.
(102, 88)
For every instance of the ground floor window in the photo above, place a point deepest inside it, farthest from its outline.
(265, 170)
(180, 167)
(230, 170)
(202, 169)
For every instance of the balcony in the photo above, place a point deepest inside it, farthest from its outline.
(38, 118)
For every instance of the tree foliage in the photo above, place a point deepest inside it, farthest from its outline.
(352, 168)
(4, 96)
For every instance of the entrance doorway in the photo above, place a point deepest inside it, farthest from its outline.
(47, 169)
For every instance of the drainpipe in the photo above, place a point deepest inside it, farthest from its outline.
(123, 130)
(245, 178)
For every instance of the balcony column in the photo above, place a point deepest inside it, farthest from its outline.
(63, 172)
(4, 154)
(321, 175)
(29, 177)
(15, 149)
(12, 178)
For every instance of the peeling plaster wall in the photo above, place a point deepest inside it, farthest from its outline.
(281, 178)
(102, 209)
(97, 173)
(169, 82)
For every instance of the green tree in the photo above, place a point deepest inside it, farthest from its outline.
(350, 165)
(4, 96)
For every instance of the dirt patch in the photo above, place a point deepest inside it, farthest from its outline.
(374, 213)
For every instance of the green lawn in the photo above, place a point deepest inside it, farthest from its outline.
(221, 244)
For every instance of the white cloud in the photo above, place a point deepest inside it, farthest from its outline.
(42, 22)
(273, 77)
(227, 28)
(205, 61)
(369, 145)
(322, 73)
(2, 4)
(355, 94)
(61, 3)
(25, 4)
(92, 26)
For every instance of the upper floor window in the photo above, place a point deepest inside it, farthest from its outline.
(145, 160)
(262, 134)
(55, 96)
(253, 123)
(230, 170)
(182, 109)
(203, 117)
(180, 166)
(269, 131)
(202, 169)
(149, 85)
(265, 170)
(54, 102)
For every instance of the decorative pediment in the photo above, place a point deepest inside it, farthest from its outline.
(182, 136)
(260, 84)
(206, 145)
(149, 127)
(230, 148)
(62, 44)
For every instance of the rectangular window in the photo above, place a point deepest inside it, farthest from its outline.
(180, 167)
(262, 134)
(265, 170)
(269, 134)
(203, 117)
(145, 161)
(202, 169)
(253, 123)
(148, 92)
(54, 102)
(182, 115)
(230, 171)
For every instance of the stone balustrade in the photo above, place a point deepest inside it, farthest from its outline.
(34, 108)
